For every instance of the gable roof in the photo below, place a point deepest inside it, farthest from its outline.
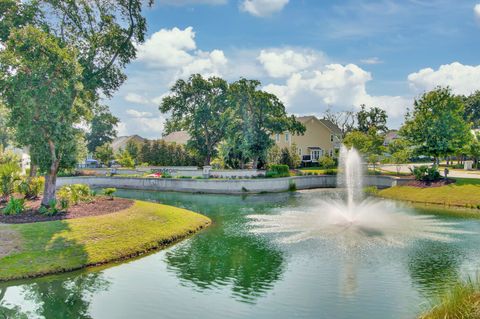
(178, 137)
(332, 127)
(121, 141)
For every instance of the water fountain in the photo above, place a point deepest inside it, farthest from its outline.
(349, 218)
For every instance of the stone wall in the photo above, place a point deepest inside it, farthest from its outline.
(223, 186)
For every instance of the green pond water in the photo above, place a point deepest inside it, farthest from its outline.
(240, 269)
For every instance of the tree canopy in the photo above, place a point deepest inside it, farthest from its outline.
(373, 117)
(436, 127)
(102, 128)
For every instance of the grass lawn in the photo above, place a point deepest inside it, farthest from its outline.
(462, 194)
(319, 171)
(58, 246)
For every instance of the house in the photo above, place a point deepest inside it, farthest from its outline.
(322, 137)
(23, 155)
(391, 136)
(178, 137)
(122, 141)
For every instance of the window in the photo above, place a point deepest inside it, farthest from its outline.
(316, 154)
(331, 137)
(300, 151)
(287, 136)
(277, 137)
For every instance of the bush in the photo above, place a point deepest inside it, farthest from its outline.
(371, 190)
(9, 175)
(292, 186)
(327, 162)
(14, 206)
(31, 187)
(51, 210)
(426, 174)
(74, 194)
(277, 170)
(109, 192)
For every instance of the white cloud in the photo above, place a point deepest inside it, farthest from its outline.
(138, 114)
(372, 60)
(281, 63)
(340, 86)
(175, 49)
(476, 11)
(462, 79)
(136, 98)
(191, 2)
(262, 8)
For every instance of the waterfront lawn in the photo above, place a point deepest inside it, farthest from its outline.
(63, 245)
(461, 195)
(461, 301)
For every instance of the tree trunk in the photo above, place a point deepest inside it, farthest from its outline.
(207, 160)
(49, 191)
(255, 163)
(33, 170)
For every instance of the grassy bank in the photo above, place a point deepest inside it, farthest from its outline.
(461, 195)
(58, 246)
(461, 302)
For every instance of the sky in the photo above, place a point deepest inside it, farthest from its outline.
(313, 54)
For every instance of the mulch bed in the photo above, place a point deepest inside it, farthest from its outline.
(422, 184)
(100, 206)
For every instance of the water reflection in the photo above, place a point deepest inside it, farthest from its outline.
(62, 297)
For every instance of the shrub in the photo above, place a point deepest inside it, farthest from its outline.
(166, 175)
(292, 186)
(9, 175)
(51, 210)
(326, 162)
(31, 187)
(74, 193)
(14, 206)
(371, 190)
(278, 170)
(426, 174)
(109, 192)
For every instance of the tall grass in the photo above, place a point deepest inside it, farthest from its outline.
(462, 301)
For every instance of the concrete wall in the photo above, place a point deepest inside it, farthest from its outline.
(227, 186)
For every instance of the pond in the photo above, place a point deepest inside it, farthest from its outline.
(233, 270)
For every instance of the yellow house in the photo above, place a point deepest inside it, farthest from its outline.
(322, 137)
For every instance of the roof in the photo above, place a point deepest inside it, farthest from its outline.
(332, 127)
(121, 141)
(178, 137)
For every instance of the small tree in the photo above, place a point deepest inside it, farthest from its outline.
(400, 153)
(370, 144)
(125, 159)
(104, 153)
(133, 149)
(9, 175)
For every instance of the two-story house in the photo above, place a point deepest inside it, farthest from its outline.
(322, 137)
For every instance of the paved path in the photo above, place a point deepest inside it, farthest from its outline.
(405, 168)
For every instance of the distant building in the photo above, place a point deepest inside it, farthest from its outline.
(23, 154)
(391, 136)
(322, 137)
(178, 137)
(122, 141)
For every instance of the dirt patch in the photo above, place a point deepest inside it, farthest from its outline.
(10, 241)
(423, 184)
(100, 206)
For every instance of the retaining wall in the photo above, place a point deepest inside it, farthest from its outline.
(226, 186)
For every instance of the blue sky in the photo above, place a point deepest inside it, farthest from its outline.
(314, 54)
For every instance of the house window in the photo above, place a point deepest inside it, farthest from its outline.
(287, 136)
(300, 151)
(331, 137)
(316, 154)
(277, 137)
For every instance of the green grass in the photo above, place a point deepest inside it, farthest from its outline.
(319, 170)
(467, 181)
(58, 246)
(466, 195)
(461, 302)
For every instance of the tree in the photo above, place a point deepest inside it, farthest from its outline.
(6, 133)
(257, 116)
(369, 144)
(200, 107)
(289, 156)
(400, 153)
(472, 108)
(104, 153)
(133, 149)
(125, 159)
(436, 126)
(374, 117)
(70, 52)
(472, 149)
(102, 128)
(345, 120)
